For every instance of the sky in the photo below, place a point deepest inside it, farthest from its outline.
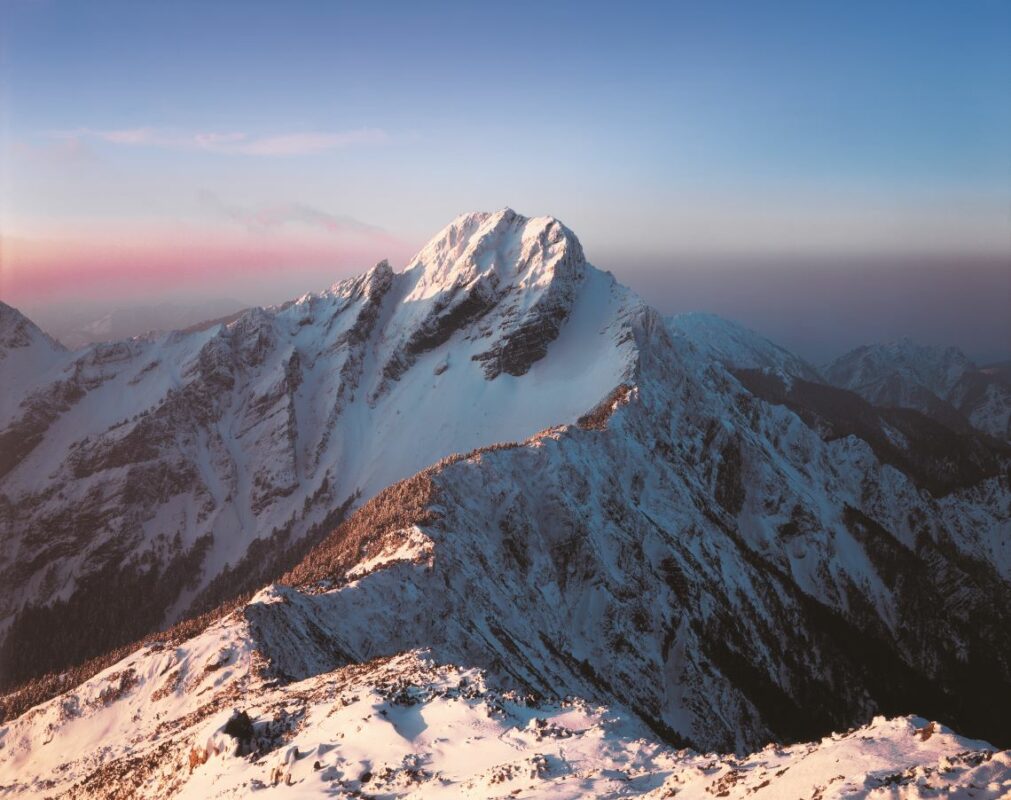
(830, 173)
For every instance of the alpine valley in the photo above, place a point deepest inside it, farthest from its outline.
(492, 526)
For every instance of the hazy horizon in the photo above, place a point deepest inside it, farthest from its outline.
(835, 317)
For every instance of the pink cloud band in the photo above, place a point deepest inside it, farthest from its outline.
(141, 262)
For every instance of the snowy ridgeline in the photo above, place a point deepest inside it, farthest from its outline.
(194, 722)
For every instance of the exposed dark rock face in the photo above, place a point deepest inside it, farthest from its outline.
(454, 312)
(459, 309)
(116, 604)
(25, 433)
(525, 336)
(526, 344)
(729, 491)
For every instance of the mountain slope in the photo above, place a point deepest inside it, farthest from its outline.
(203, 463)
(933, 455)
(984, 397)
(941, 382)
(698, 559)
(723, 558)
(738, 347)
(700, 520)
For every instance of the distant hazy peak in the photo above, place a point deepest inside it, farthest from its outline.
(942, 382)
(935, 368)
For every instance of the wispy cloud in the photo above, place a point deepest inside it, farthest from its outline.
(290, 144)
(232, 142)
(267, 217)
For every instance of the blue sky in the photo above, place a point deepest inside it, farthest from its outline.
(677, 139)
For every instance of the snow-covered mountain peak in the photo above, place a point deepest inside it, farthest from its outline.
(229, 448)
(664, 559)
(503, 246)
(718, 561)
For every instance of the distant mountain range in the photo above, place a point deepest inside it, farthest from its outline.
(941, 382)
(79, 326)
(475, 490)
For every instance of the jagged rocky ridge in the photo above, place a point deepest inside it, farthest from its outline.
(722, 557)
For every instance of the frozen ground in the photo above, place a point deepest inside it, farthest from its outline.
(405, 727)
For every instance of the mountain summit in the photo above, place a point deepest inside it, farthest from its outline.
(504, 247)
